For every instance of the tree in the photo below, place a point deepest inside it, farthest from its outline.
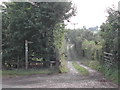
(24, 21)
(109, 32)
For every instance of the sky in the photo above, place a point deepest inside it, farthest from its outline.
(90, 13)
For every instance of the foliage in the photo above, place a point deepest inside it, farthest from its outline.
(38, 24)
(93, 45)
(91, 49)
(109, 32)
(86, 43)
(60, 43)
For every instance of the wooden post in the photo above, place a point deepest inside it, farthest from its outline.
(26, 54)
(57, 59)
(18, 62)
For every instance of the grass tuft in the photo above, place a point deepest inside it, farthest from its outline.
(80, 69)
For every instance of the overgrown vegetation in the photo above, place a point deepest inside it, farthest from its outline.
(109, 32)
(80, 69)
(60, 44)
(110, 73)
(93, 46)
(86, 43)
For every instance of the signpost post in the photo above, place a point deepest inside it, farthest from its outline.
(26, 53)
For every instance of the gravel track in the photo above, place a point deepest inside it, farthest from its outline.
(72, 79)
(67, 80)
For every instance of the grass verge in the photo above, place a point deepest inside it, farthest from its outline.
(22, 72)
(80, 69)
(110, 73)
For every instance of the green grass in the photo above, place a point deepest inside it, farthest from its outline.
(21, 72)
(63, 67)
(80, 69)
(111, 74)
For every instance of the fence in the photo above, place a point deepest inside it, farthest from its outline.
(39, 64)
(108, 59)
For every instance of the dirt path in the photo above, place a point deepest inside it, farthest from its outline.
(72, 70)
(72, 79)
(69, 80)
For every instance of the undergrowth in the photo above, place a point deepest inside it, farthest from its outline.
(110, 73)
